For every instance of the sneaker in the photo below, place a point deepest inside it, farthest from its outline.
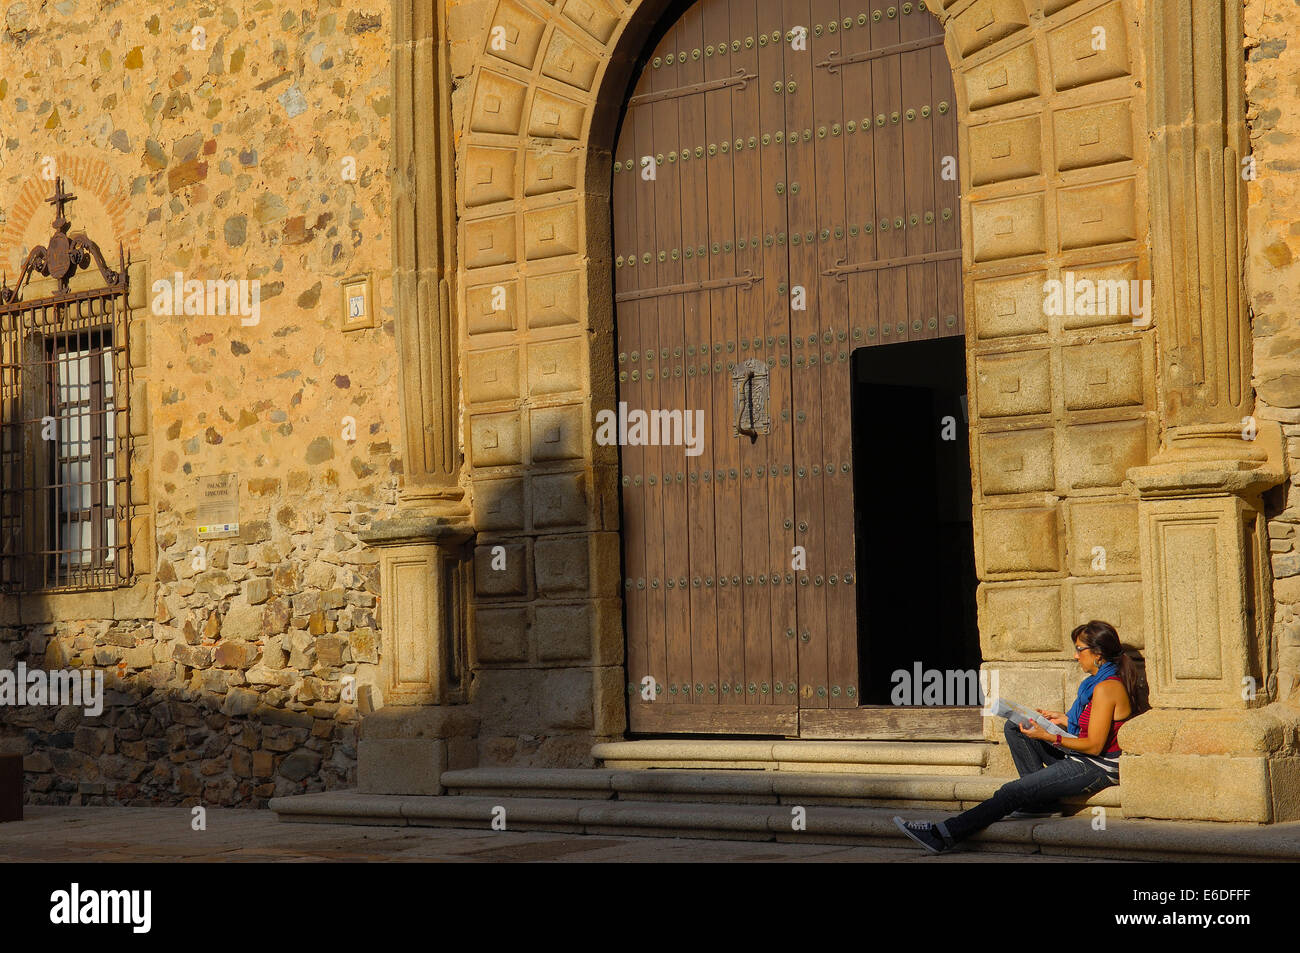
(924, 833)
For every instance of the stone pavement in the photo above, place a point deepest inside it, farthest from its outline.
(100, 834)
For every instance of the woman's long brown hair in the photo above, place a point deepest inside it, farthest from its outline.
(1102, 638)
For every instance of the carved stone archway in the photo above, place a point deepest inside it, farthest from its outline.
(1083, 434)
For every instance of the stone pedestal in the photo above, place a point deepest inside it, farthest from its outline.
(422, 729)
(405, 749)
(1216, 745)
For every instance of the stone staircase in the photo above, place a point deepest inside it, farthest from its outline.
(750, 790)
(850, 774)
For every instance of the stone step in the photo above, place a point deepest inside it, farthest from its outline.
(1121, 839)
(938, 791)
(853, 757)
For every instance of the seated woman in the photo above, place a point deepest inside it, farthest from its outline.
(1051, 766)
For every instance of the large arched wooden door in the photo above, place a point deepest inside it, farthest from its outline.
(779, 200)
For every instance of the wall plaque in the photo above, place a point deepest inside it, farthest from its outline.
(358, 303)
(218, 515)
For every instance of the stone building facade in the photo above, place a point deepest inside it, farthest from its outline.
(427, 568)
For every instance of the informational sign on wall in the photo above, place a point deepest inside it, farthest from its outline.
(218, 514)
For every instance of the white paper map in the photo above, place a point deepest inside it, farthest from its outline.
(1025, 716)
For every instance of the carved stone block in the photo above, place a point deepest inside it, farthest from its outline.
(483, 316)
(556, 366)
(1098, 214)
(985, 22)
(1090, 49)
(499, 504)
(553, 300)
(548, 171)
(596, 17)
(1103, 375)
(1119, 603)
(495, 440)
(555, 117)
(489, 175)
(501, 635)
(1038, 686)
(1116, 296)
(550, 232)
(570, 62)
(1093, 135)
(1110, 527)
(511, 576)
(492, 375)
(1004, 79)
(1193, 564)
(557, 433)
(519, 31)
(1017, 462)
(1095, 455)
(1011, 384)
(559, 499)
(1019, 618)
(562, 565)
(490, 241)
(1006, 228)
(1006, 150)
(563, 633)
(410, 766)
(415, 619)
(498, 104)
(1024, 539)
(1013, 305)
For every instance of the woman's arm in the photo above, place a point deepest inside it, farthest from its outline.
(1104, 699)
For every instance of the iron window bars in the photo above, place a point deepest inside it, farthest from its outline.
(65, 434)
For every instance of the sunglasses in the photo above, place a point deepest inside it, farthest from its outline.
(1081, 648)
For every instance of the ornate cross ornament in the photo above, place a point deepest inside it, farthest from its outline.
(62, 256)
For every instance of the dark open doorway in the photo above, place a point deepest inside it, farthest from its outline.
(915, 548)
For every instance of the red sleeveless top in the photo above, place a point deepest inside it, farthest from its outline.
(1112, 743)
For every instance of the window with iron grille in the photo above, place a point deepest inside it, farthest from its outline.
(65, 436)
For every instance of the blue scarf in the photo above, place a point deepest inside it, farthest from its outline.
(1104, 671)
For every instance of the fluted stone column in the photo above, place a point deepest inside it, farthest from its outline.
(424, 251)
(422, 728)
(1213, 746)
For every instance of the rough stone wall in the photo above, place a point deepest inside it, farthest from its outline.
(220, 155)
(1273, 284)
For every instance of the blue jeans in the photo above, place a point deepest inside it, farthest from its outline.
(1045, 775)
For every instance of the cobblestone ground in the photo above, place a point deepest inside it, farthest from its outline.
(90, 834)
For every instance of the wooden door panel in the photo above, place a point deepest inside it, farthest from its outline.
(698, 302)
(775, 476)
(752, 305)
(776, 170)
(634, 325)
(721, 457)
(700, 561)
(829, 360)
(670, 478)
